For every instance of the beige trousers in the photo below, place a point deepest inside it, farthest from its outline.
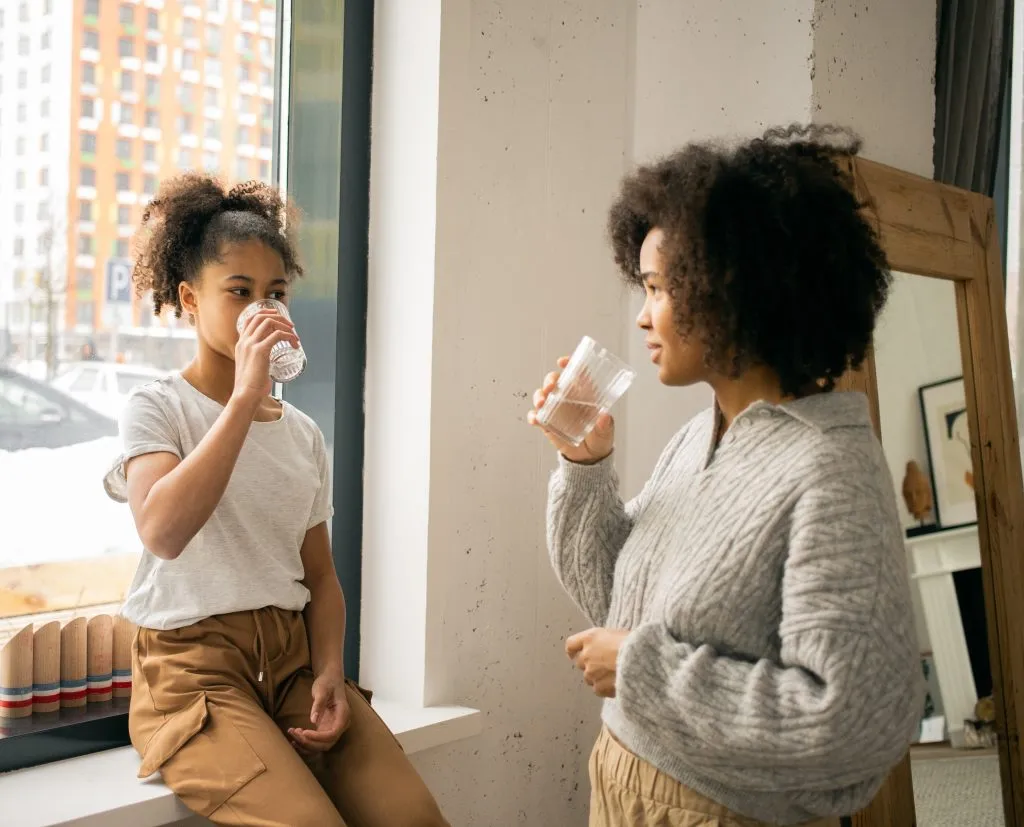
(626, 791)
(210, 706)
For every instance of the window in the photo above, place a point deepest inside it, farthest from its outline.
(266, 78)
(188, 28)
(24, 406)
(242, 169)
(188, 61)
(85, 313)
(242, 137)
(265, 139)
(23, 46)
(94, 204)
(245, 104)
(44, 108)
(22, 79)
(265, 171)
(244, 73)
(248, 12)
(23, 12)
(44, 177)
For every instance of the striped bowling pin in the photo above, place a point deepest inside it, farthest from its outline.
(73, 649)
(124, 637)
(100, 657)
(46, 669)
(16, 675)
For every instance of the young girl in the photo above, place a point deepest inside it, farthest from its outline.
(240, 700)
(756, 641)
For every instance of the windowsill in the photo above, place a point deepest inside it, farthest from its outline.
(103, 790)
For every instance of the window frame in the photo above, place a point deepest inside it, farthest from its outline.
(101, 729)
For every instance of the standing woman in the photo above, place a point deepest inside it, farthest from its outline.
(240, 700)
(754, 635)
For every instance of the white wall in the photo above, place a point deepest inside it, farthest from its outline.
(542, 104)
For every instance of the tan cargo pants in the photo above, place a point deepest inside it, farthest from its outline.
(209, 710)
(626, 791)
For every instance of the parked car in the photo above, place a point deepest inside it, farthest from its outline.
(36, 415)
(103, 386)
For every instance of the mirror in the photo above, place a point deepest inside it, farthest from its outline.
(925, 435)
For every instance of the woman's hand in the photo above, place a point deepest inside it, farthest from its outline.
(599, 442)
(330, 715)
(252, 353)
(596, 654)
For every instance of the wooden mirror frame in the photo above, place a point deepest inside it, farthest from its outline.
(937, 231)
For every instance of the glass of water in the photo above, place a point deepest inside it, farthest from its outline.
(286, 362)
(591, 383)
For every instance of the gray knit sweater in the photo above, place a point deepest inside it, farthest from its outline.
(772, 663)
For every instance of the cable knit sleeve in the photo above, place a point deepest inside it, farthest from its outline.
(588, 524)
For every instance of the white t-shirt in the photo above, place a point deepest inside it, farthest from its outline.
(247, 555)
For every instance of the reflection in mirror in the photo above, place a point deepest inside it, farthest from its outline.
(926, 441)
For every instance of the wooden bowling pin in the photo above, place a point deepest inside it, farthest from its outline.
(100, 659)
(124, 637)
(16, 675)
(73, 648)
(46, 669)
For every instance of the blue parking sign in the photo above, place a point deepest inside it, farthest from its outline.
(119, 281)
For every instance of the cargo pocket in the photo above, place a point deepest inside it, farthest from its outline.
(201, 756)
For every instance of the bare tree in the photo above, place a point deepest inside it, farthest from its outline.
(53, 283)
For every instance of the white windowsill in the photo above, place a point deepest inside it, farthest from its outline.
(103, 790)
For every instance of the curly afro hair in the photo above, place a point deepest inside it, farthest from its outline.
(191, 219)
(767, 256)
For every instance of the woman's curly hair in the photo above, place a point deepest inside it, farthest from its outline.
(767, 256)
(190, 220)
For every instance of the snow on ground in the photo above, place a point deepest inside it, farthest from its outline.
(54, 507)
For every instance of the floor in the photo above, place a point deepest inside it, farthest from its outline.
(956, 788)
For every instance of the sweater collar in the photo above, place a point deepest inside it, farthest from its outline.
(822, 411)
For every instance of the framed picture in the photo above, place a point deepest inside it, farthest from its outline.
(944, 411)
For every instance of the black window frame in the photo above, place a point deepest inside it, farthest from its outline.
(82, 732)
